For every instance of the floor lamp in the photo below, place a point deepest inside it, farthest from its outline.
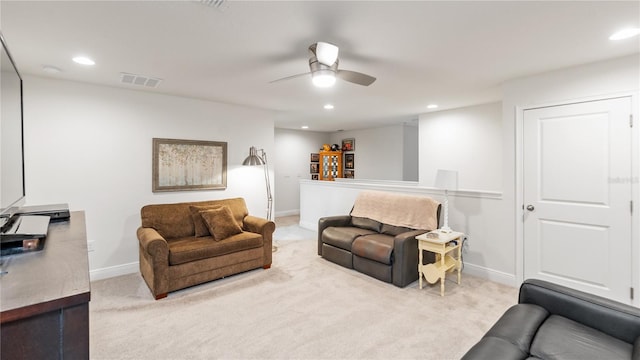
(446, 180)
(261, 159)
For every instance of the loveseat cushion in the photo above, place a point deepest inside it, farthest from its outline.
(220, 223)
(366, 223)
(175, 221)
(561, 338)
(493, 348)
(376, 247)
(342, 237)
(183, 250)
(395, 230)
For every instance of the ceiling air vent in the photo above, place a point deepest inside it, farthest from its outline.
(139, 80)
(218, 4)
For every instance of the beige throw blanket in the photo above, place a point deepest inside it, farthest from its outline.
(417, 212)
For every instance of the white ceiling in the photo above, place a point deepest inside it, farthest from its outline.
(446, 52)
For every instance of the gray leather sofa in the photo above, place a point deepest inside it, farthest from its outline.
(385, 252)
(555, 322)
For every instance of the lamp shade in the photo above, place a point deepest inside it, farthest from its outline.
(447, 179)
(253, 158)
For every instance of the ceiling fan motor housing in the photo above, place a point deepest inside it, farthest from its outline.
(315, 65)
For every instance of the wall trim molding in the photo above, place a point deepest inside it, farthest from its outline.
(113, 271)
(471, 269)
(490, 274)
(403, 186)
(288, 212)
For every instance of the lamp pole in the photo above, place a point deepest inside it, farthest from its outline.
(266, 180)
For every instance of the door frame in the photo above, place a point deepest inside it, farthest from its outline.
(635, 182)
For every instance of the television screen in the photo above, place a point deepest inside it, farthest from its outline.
(12, 189)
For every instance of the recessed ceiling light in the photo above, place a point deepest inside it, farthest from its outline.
(328, 107)
(432, 106)
(83, 60)
(625, 34)
(51, 69)
(304, 127)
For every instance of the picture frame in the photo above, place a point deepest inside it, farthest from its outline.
(348, 144)
(314, 168)
(314, 176)
(180, 165)
(315, 157)
(349, 174)
(349, 160)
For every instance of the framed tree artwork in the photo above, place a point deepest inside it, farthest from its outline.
(180, 165)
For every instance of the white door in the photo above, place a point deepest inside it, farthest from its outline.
(577, 196)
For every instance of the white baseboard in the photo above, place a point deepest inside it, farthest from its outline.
(288, 212)
(490, 274)
(113, 271)
(472, 269)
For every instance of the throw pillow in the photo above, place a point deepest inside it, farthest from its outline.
(200, 226)
(220, 223)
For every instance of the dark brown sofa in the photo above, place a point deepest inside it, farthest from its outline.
(552, 321)
(387, 252)
(173, 257)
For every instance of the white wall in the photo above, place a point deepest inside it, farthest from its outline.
(410, 152)
(292, 160)
(382, 153)
(597, 80)
(91, 146)
(468, 140)
(494, 224)
(378, 151)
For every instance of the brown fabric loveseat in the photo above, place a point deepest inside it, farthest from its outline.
(378, 237)
(186, 244)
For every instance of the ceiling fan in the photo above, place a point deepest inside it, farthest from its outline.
(323, 64)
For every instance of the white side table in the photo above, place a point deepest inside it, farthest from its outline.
(442, 246)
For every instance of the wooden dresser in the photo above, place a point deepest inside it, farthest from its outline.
(44, 297)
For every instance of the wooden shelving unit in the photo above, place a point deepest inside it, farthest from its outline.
(330, 165)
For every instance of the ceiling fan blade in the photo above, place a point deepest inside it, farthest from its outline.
(289, 77)
(356, 77)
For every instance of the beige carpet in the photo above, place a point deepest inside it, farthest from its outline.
(304, 307)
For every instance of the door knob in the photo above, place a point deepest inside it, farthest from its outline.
(530, 207)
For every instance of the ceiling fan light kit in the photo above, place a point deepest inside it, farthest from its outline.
(323, 78)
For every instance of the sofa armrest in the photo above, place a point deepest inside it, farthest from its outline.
(265, 228)
(258, 225)
(613, 318)
(153, 243)
(325, 222)
(405, 262)
(154, 261)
